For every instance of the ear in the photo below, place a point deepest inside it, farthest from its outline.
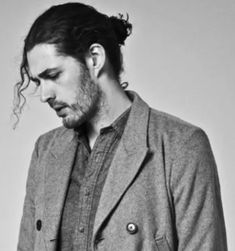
(95, 59)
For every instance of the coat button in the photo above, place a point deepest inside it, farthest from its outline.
(132, 228)
(87, 193)
(39, 225)
(81, 229)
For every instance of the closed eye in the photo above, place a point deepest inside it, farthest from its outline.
(50, 74)
(53, 76)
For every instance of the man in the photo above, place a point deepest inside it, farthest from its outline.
(118, 175)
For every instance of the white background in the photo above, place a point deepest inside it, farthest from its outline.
(180, 59)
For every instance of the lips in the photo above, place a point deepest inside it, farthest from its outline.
(57, 108)
(60, 110)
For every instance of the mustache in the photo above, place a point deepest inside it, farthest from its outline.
(56, 104)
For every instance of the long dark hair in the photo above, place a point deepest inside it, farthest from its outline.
(73, 27)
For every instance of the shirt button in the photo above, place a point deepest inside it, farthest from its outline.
(132, 228)
(87, 193)
(97, 158)
(81, 229)
(39, 225)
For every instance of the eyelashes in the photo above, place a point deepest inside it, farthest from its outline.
(54, 76)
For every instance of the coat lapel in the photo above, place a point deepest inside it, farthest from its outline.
(129, 156)
(127, 161)
(58, 167)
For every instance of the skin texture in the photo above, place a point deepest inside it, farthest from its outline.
(65, 84)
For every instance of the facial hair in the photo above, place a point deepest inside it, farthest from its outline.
(88, 99)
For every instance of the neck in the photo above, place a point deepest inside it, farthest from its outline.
(112, 104)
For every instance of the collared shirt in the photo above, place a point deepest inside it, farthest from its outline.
(86, 184)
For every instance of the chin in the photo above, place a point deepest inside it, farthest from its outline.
(72, 122)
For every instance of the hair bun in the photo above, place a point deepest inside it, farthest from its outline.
(122, 27)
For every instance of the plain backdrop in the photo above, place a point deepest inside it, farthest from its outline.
(180, 59)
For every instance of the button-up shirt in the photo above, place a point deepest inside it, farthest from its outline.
(86, 183)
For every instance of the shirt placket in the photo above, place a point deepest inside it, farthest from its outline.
(87, 192)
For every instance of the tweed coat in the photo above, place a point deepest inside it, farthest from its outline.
(162, 191)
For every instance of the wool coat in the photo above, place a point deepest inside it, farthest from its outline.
(162, 191)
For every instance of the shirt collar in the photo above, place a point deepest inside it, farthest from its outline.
(118, 125)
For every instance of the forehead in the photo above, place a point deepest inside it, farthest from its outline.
(42, 57)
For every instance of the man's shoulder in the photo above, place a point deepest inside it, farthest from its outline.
(170, 127)
(160, 121)
(168, 121)
(48, 138)
(54, 132)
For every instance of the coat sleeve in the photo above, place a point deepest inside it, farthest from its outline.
(196, 195)
(27, 226)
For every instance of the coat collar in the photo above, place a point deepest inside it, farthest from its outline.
(131, 152)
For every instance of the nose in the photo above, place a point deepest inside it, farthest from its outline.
(46, 92)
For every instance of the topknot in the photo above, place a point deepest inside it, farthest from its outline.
(122, 27)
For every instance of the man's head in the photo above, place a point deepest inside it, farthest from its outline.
(72, 29)
(65, 83)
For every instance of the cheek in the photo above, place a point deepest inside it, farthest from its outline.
(69, 86)
(67, 96)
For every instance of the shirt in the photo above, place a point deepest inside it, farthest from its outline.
(86, 183)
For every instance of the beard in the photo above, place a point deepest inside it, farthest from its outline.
(88, 98)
